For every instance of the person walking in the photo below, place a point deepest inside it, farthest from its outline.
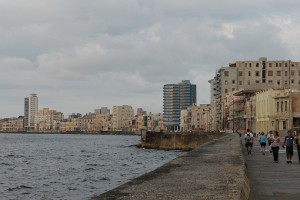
(288, 143)
(275, 143)
(249, 141)
(269, 138)
(297, 141)
(263, 141)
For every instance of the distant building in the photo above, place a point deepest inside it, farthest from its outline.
(30, 111)
(175, 98)
(48, 120)
(122, 118)
(102, 110)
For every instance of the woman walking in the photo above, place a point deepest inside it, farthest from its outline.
(263, 141)
(275, 145)
(298, 144)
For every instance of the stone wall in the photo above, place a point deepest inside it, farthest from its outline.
(180, 141)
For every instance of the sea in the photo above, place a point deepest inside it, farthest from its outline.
(71, 167)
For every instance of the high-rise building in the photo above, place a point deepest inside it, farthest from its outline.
(175, 98)
(30, 111)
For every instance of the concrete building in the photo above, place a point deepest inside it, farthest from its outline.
(12, 124)
(48, 120)
(175, 98)
(195, 118)
(102, 110)
(30, 111)
(122, 118)
(253, 76)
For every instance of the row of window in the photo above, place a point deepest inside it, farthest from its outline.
(270, 73)
(270, 64)
(280, 105)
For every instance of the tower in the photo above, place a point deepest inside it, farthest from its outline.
(175, 98)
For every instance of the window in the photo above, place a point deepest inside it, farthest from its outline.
(250, 65)
(226, 82)
(278, 82)
(249, 73)
(257, 64)
(257, 73)
(285, 105)
(225, 91)
(279, 64)
(285, 73)
(281, 106)
(248, 82)
(226, 73)
(285, 64)
(257, 81)
(278, 73)
(240, 73)
(277, 106)
(270, 81)
(270, 64)
(270, 73)
(233, 81)
(276, 64)
(292, 81)
(292, 73)
(232, 89)
(285, 83)
(240, 83)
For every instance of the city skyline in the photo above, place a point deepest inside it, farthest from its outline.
(79, 56)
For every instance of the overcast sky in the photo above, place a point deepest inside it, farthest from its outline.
(78, 55)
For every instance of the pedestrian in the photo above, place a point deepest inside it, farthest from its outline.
(288, 143)
(269, 138)
(297, 141)
(249, 141)
(275, 143)
(263, 141)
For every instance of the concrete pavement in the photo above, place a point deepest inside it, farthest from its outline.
(214, 170)
(269, 180)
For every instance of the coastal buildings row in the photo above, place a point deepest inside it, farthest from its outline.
(260, 95)
(46, 120)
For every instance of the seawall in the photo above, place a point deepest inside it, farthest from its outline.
(180, 141)
(214, 170)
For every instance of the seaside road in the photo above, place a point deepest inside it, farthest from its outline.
(214, 170)
(269, 180)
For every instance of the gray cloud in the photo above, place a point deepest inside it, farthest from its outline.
(78, 55)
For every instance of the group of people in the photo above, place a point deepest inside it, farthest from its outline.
(273, 140)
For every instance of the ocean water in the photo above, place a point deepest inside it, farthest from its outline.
(53, 166)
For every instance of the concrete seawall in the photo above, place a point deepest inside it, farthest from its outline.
(214, 170)
(182, 141)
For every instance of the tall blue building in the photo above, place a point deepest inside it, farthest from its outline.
(177, 97)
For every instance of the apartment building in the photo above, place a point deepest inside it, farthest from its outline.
(122, 118)
(12, 124)
(48, 120)
(195, 118)
(250, 76)
(30, 111)
(175, 98)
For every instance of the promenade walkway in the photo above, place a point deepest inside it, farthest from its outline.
(269, 180)
(214, 170)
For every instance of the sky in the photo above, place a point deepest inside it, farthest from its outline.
(79, 55)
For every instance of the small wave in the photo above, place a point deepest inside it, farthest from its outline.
(89, 169)
(19, 188)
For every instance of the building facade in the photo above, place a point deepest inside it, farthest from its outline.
(252, 76)
(177, 97)
(122, 118)
(30, 112)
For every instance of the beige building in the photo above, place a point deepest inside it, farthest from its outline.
(48, 120)
(254, 76)
(195, 118)
(278, 110)
(12, 124)
(122, 118)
